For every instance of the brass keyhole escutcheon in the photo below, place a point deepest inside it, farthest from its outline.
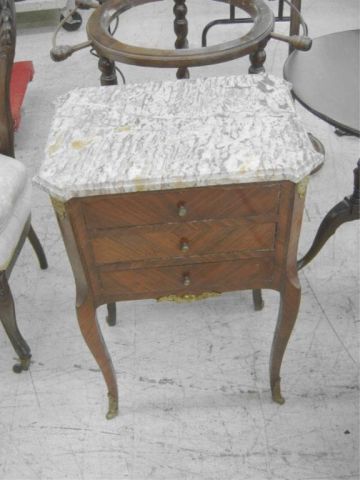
(182, 210)
(186, 279)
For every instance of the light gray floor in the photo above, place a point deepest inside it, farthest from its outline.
(193, 379)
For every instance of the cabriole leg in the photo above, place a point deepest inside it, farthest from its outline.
(289, 307)
(85, 305)
(8, 319)
(86, 314)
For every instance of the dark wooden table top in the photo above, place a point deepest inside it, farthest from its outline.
(326, 79)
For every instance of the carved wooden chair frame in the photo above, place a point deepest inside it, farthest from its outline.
(7, 309)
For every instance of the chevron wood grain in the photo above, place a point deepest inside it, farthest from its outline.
(149, 208)
(168, 240)
(217, 276)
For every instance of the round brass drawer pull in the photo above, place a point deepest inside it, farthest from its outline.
(184, 245)
(186, 279)
(182, 211)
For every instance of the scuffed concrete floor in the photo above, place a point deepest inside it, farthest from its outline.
(193, 379)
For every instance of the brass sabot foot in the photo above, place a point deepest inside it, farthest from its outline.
(276, 393)
(113, 407)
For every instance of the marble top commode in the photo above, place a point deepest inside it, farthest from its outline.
(165, 135)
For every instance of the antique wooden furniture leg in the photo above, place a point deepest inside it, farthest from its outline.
(345, 211)
(289, 307)
(86, 309)
(290, 295)
(7, 308)
(258, 300)
(35, 243)
(181, 31)
(257, 59)
(86, 314)
(111, 316)
(108, 72)
(8, 319)
(294, 21)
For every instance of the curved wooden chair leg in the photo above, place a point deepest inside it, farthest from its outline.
(86, 314)
(8, 319)
(35, 243)
(111, 316)
(289, 307)
(257, 299)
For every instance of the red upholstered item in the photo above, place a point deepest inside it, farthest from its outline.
(22, 73)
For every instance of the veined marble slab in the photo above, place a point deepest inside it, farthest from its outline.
(164, 135)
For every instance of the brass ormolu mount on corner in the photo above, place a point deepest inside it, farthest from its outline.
(301, 187)
(188, 298)
(59, 207)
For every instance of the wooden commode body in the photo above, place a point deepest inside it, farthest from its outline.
(146, 245)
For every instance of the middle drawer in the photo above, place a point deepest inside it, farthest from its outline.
(181, 240)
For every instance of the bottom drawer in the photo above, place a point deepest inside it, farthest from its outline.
(217, 276)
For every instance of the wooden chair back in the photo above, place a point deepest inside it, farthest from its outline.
(7, 53)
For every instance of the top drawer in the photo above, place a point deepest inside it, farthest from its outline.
(201, 203)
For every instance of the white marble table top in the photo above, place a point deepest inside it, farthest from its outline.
(164, 135)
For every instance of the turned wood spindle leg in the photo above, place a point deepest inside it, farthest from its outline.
(257, 59)
(91, 332)
(181, 31)
(108, 72)
(289, 307)
(8, 319)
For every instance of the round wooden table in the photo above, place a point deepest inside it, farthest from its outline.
(326, 81)
(111, 50)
